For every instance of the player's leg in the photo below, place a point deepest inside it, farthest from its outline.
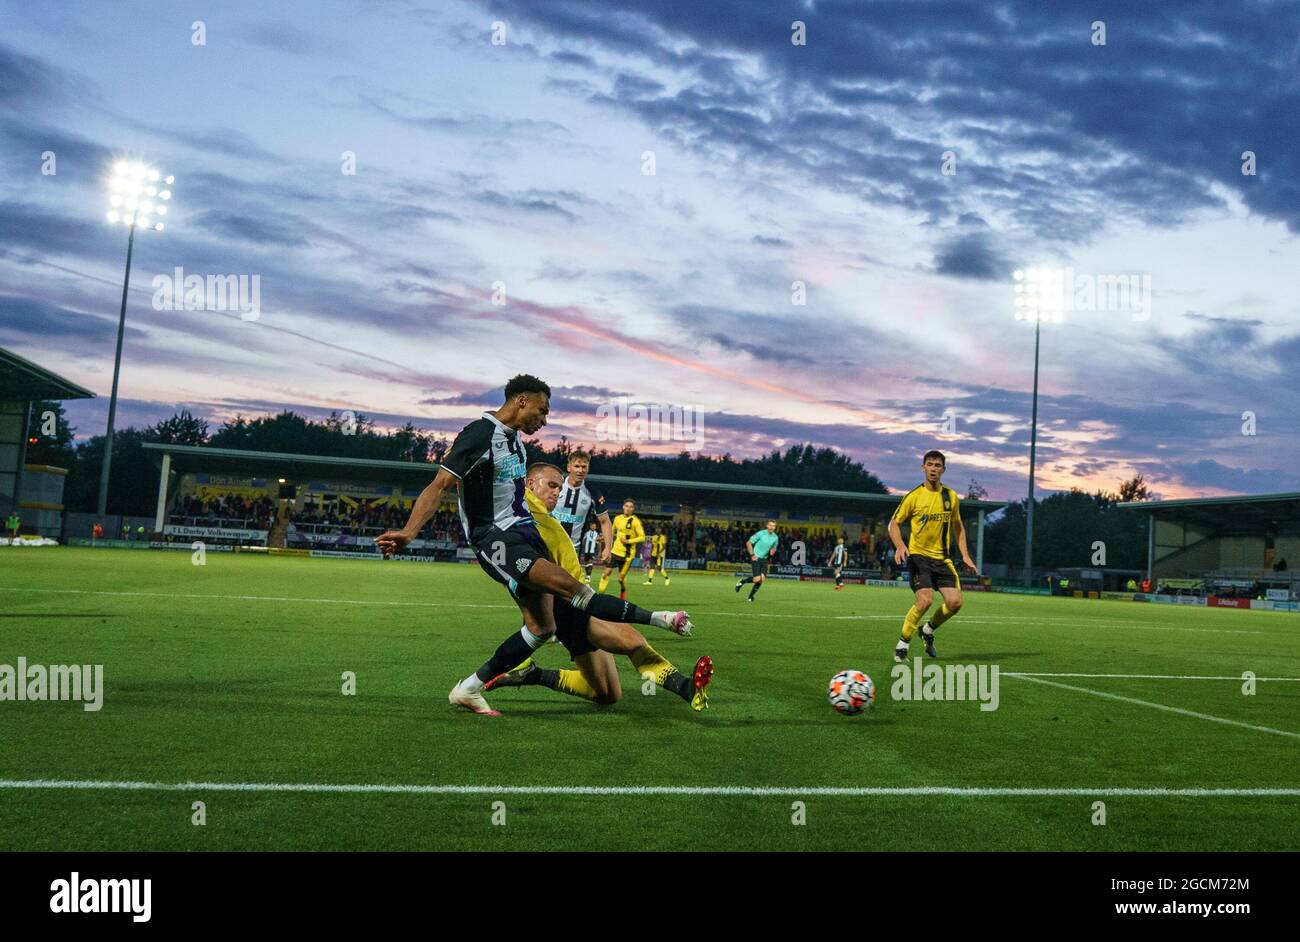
(950, 590)
(663, 571)
(760, 576)
(615, 561)
(650, 664)
(539, 624)
(622, 576)
(924, 596)
(839, 578)
(545, 576)
(595, 678)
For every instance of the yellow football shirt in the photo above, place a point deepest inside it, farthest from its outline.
(930, 514)
(658, 544)
(558, 545)
(628, 533)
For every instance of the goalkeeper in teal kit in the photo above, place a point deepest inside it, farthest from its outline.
(762, 545)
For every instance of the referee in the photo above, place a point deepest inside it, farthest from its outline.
(761, 547)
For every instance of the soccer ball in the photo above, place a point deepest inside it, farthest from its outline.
(851, 692)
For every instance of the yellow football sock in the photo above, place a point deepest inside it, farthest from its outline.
(911, 623)
(604, 581)
(941, 616)
(647, 659)
(573, 683)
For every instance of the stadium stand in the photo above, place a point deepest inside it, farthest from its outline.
(34, 492)
(1224, 548)
(332, 506)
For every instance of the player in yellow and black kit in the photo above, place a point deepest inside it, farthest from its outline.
(934, 514)
(592, 642)
(658, 549)
(628, 535)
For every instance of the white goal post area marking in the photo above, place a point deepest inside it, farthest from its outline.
(727, 791)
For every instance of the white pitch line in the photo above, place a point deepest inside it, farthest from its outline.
(1161, 706)
(1236, 677)
(257, 598)
(208, 596)
(742, 791)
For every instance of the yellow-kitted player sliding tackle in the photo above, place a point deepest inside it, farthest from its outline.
(593, 642)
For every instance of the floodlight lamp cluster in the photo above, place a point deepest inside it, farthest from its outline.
(1040, 294)
(138, 195)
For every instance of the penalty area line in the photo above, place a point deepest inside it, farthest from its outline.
(1236, 677)
(1160, 706)
(738, 791)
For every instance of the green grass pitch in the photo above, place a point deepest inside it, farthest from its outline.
(231, 673)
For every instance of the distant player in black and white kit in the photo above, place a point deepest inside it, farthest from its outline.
(579, 501)
(590, 550)
(839, 557)
(488, 462)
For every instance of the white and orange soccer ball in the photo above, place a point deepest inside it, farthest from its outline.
(851, 692)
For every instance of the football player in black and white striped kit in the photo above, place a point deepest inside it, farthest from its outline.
(487, 463)
(579, 501)
(590, 548)
(839, 559)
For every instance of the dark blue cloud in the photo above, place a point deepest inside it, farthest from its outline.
(1144, 126)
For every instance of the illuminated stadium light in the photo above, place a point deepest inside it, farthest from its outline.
(127, 184)
(1039, 296)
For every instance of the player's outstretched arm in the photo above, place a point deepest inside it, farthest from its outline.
(900, 548)
(426, 505)
(606, 536)
(959, 531)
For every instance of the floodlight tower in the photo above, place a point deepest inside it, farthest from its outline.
(1040, 296)
(138, 195)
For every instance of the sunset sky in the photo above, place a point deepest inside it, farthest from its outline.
(524, 163)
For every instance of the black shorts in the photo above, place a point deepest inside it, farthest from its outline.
(926, 573)
(571, 629)
(508, 555)
(758, 567)
(621, 563)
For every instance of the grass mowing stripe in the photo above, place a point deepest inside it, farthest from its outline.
(1160, 706)
(740, 791)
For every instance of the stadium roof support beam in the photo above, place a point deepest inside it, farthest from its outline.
(1151, 545)
(163, 475)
